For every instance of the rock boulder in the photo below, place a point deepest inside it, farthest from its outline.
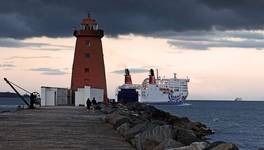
(167, 144)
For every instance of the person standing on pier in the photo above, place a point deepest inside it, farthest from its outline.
(32, 100)
(94, 101)
(88, 104)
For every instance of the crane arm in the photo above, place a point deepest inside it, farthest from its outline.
(22, 98)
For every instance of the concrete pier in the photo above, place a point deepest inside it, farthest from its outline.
(58, 128)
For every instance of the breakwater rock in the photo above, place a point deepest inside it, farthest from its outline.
(148, 128)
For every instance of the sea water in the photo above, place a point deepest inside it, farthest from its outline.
(239, 122)
(10, 104)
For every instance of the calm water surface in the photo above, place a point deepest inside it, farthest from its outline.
(239, 122)
(10, 104)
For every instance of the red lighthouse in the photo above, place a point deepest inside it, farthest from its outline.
(88, 64)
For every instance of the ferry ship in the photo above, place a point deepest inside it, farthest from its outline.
(154, 90)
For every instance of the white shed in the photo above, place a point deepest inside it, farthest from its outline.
(54, 96)
(82, 94)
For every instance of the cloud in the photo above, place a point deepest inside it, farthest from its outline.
(131, 70)
(7, 65)
(18, 43)
(56, 18)
(27, 57)
(9, 42)
(209, 39)
(49, 71)
(218, 43)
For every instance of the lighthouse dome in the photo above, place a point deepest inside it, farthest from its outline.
(89, 23)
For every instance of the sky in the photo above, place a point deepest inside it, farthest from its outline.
(219, 45)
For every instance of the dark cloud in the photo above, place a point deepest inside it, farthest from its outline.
(131, 70)
(241, 6)
(56, 18)
(49, 71)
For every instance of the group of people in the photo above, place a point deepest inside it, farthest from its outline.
(91, 104)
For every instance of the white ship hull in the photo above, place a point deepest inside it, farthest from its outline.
(163, 99)
(154, 95)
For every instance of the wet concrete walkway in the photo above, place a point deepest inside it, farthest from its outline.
(58, 128)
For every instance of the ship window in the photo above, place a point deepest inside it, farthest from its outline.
(87, 43)
(87, 55)
(86, 70)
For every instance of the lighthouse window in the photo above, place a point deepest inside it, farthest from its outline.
(87, 43)
(87, 55)
(87, 70)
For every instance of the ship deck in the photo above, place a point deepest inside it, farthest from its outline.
(58, 128)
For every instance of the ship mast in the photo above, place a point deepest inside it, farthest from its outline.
(157, 71)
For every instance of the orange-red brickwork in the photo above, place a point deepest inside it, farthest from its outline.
(88, 64)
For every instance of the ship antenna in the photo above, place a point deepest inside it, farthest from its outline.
(157, 70)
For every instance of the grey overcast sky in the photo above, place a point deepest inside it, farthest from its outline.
(54, 18)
